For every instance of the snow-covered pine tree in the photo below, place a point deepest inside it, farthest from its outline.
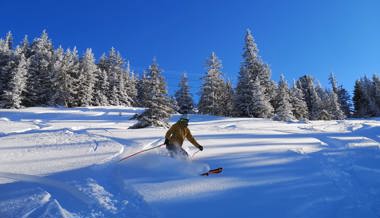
(324, 104)
(9, 40)
(87, 78)
(122, 90)
(71, 67)
(173, 104)
(183, 96)
(143, 90)
(13, 96)
(129, 86)
(359, 100)
(100, 88)
(376, 90)
(113, 95)
(300, 111)
(25, 47)
(364, 98)
(260, 106)
(8, 62)
(369, 94)
(251, 67)
(158, 102)
(268, 84)
(102, 64)
(60, 80)
(228, 99)
(114, 67)
(335, 108)
(39, 82)
(312, 99)
(211, 93)
(345, 101)
(284, 107)
(333, 83)
(342, 95)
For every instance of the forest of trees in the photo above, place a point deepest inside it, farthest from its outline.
(38, 74)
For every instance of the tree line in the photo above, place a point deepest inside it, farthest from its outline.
(37, 74)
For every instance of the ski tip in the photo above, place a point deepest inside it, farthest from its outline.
(213, 171)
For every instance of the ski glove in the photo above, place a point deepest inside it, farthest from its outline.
(166, 141)
(201, 147)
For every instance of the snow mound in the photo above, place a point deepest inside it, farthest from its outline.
(30, 203)
(53, 151)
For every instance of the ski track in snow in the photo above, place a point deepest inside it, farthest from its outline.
(58, 162)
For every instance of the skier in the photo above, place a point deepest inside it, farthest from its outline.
(176, 135)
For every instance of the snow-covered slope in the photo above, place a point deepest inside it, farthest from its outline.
(57, 162)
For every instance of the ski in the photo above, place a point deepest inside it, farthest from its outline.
(213, 171)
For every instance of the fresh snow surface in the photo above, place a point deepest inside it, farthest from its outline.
(59, 162)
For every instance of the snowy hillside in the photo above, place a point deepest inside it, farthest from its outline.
(58, 162)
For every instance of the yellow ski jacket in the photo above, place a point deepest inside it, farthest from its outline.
(177, 134)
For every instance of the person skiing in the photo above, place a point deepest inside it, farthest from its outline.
(176, 135)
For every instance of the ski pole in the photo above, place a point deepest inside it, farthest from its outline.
(139, 152)
(192, 156)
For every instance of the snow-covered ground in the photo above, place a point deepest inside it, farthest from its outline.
(57, 162)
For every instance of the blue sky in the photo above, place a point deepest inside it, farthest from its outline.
(295, 37)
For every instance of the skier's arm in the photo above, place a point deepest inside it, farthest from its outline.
(169, 132)
(192, 140)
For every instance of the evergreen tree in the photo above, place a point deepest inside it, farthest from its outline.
(312, 99)
(251, 67)
(71, 67)
(364, 98)
(299, 106)
(113, 95)
(143, 90)
(25, 47)
(39, 83)
(124, 99)
(321, 110)
(158, 102)
(228, 99)
(333, 83)
(113, 66)
(376, 91)
(345, 101)
(342, 95)
(129, 96)
(335, 108)
(359, 100)
(101, 86)
(183, 97)
(60, 80)
(132, 89)
(260, 106)
(87, 78)
(284, 107)
(102, 64)
(8, 62)
(9, 40)
(369, 94)
(327, 104)
(13, 96)
(173, 103)
(212, 88)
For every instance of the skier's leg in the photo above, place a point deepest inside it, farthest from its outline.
(171, 150)
(177, 151)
